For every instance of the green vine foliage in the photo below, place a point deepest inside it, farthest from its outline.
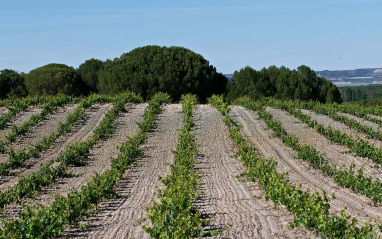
(49, 221)
(309, 209)
(348, 178)
(174, 215)
(75, 154)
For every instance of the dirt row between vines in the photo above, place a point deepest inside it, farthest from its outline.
(99, 160)
(300, 172)
(124, 217)
(80, 132)
(237, 206)
(20, 119)
(41, 130)
(362, 121)
(328, 121)
(332, 152)
(3, 110)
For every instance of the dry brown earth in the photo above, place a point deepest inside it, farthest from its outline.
(362, 121)
(375, 116)
(328, 121)
(20, 119)
(239, 207)
(124, 217)
(300, 172)
(41, 130)
(79, 132)
(3, 110)
(332, 152)
(99, 159)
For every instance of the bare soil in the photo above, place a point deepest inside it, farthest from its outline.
(79, 132)
(328, 121)
(239, 207)
(20, 119)
(3, 110)
(44, 128)
(300, 172)
(362, 121)
(124, 217)
(375, 116)
(331, 152)
(99, 159)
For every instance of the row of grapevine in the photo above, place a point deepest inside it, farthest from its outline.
(17, 158)
(360, 147)
(47, 108)
(331, 111)
(174, 215)
(50, 221)
(348, 178)
(17, 105)
(309, 210)
(74, 154)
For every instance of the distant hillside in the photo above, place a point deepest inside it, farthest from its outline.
(357, 77)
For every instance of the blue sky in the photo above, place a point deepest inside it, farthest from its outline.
(327, 34)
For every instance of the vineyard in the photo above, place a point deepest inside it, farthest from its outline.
(118, 167)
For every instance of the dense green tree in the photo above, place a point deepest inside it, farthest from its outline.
(52, 79)
(282, 83)
(175, 70)
(11, 84)
(89, 73)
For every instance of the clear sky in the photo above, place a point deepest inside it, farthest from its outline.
(323, 34)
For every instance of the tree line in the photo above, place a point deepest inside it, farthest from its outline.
(175, 70)
(282, 83)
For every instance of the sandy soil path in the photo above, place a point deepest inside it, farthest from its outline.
(328, 121)
(123, 218)
(80, 132)
(20, 119)
(300, 172)
(99, 160)
(239, 206)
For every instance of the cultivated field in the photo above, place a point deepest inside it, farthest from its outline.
(81, 149)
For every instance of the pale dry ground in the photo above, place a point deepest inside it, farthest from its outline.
(300, 172)
(332, 152)
(239, 207)
(44, 128)
(3, 110)
(376, 117)
(41, 130)
(328, 121)
(20, 119)
(80, 132)
(362, 121)
(99, 159)
(124, 217)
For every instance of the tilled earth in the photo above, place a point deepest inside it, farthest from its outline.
(236, 207)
